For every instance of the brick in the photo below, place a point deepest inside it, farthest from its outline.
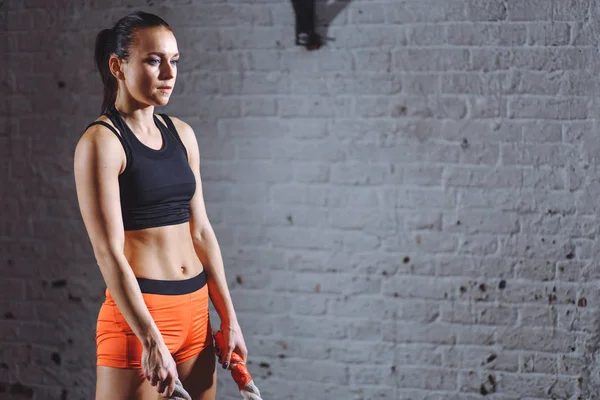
(366, 83)
(548, 108)
(365, 36)
(535, 10)
(427, 35)
(482, 177)
(368, 13)
(547, 59)
(377, 308)
(257, 83)
(367, 221)
(420, 84)
(492, 83)
(538, 362)
(572, 10)
(481, 131)
(549, 34)
(535, 386)
(358, 174)
(426, 59)
(244, 38)
(314, 106)
(425, 11)
(480, 154)
(481, 34)
(296, 215)
(538, 154)
(490, 358)
(349, 128)
(487, 10)
(259, 107)
(429, 379)
(488, 267)
(372, 107)
(425, 197)
(486, 107)
(321, 150)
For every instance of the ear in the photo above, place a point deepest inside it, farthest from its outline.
(116, 67)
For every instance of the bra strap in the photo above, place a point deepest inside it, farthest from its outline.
(171, 128)
(125, 147)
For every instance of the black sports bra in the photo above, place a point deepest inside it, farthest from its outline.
(157, 185)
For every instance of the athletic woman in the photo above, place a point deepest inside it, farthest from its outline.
(139, 190)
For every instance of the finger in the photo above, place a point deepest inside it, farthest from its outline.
(163, 374)
(227, 359)
(154, 379)
(147, 371)
(163, 386)
(171, 388)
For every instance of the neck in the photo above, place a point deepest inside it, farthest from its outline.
(139, 118)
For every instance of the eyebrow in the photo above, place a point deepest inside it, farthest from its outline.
(158, 53)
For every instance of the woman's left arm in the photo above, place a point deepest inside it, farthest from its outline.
(209, 253)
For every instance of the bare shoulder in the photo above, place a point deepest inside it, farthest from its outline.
(100, 134)
(188, 137)
(184, 129)
(98, 141)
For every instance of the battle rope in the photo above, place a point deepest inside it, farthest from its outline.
(180, 393)
(239, 372)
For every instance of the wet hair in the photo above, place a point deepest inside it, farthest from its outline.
(118, 40)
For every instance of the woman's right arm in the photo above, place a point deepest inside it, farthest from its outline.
(99, 157)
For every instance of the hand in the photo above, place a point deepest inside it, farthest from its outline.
(233, 342)
(158, 366)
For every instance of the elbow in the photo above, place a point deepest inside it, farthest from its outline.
(108, 253)
(200, 234)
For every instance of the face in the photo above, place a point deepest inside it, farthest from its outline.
(150, 72)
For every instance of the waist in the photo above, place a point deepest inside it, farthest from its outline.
(160, 253)
(169, 287)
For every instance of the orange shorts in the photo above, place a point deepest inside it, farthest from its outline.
(180, 311)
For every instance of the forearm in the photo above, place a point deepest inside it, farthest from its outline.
(207, 249)
(125, 290)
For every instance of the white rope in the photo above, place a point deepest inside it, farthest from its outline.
(180, 393)
(239, 371)
(251, 392)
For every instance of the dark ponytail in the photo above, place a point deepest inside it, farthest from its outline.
(118, 41)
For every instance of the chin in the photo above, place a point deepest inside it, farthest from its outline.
(161, 102)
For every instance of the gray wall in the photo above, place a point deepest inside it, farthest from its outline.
(407, 213)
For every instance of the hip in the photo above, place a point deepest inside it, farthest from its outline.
(170, 302)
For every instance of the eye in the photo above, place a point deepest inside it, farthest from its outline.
(153, 61)
(175, 61)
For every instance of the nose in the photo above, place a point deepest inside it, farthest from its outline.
(167, 71)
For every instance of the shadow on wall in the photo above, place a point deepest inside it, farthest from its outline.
(326, 12)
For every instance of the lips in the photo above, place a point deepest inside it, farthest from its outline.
(166, 87)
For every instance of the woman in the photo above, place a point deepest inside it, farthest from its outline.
(140, 194)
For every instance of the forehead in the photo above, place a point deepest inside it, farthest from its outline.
(156, 39)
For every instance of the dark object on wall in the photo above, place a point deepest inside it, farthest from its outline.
(305, 24)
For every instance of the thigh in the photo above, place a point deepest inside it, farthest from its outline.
(199, 375)
(116, 383)
(123, 384)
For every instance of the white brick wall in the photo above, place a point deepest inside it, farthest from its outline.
(408, 213)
